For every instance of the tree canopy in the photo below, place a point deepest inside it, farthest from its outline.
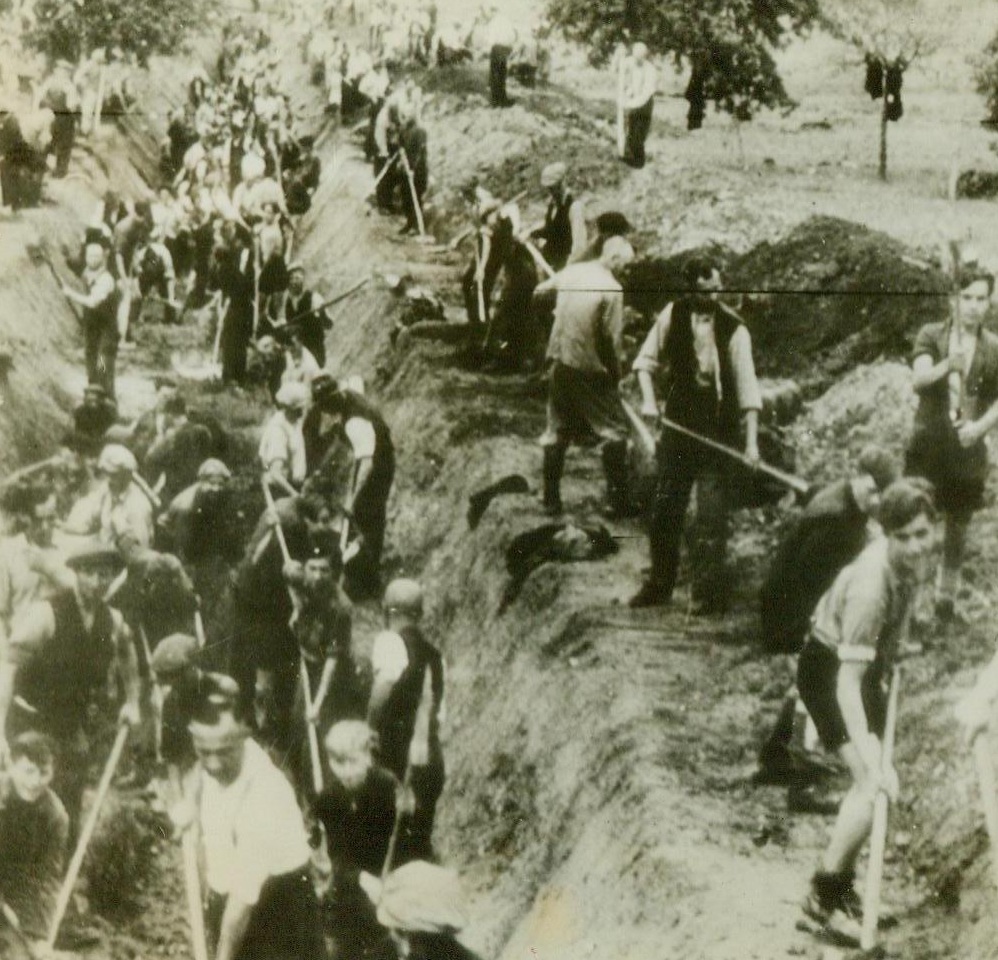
(731, 41)
(138, 29)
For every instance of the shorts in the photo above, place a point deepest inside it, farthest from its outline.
(817, 679)
(957, 474)
(583, 408)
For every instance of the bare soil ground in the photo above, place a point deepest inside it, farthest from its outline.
(598, 799)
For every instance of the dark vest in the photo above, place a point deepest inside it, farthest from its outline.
(65, 675)
(398, 715)
(105, 313)
(686, 399)
(557, 232)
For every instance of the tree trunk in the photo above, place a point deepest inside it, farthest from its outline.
(882, 169)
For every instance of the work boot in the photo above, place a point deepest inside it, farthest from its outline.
(614, 455)
(653, 593)
(823, 910)
(554, 464)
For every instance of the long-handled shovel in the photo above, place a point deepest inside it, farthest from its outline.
(411, 180)
(878, 835)
(797, 484)
(318, 781)
(989, 795)
(66, 891)
(192, 887)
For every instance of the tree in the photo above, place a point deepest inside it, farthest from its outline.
(986, 78)
(891, 34)
(73, 29)
(728, 43)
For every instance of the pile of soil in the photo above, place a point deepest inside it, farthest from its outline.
(832, 295)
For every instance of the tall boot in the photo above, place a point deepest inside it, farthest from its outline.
(614, 456)
(554, 464)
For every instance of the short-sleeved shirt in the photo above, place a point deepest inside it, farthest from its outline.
(360, 433)
(588, 319)
(866, 610)
(283, 442)
(252, 829)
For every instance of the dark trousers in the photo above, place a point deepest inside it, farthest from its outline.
(100, 350)
(638, 123)
(416, 186)
(681, 463)
(370, 515)
(286, 923)
(498, 65)
(236, 335)
(63, 136)
(384, 193)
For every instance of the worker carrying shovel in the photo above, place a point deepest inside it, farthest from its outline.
(857, 632)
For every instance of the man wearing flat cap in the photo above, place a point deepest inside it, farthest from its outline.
(423, 907)
(300, 311)
(198, 524)
(187, 692)
(563, 235)
(365, 505)
(99, 317)
(261, 903)
(585, 348)
(118, 511)
(54, 676)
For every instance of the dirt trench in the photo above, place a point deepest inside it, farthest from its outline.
(597, 801)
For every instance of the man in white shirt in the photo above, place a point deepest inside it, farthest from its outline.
(261, 902)
(282, 446)
(640, 83)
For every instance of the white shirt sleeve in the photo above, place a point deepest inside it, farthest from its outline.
(389, 657)
(360, 433)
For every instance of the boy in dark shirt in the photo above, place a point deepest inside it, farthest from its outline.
(358, 809)
(34, 830)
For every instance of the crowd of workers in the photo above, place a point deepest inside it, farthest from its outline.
(129, 574)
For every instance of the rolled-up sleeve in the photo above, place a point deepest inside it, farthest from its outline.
(863, 616)
(648, 358)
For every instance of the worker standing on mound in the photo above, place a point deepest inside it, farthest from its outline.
(100, 307)
(856, 634)
(955, 371)
(707, 353)
(583, 401)
(640, 84)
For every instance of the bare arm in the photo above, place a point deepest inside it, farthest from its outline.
(926, 374)
(580, 236)
(364, 467)
(235, 923)
(128, 671)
